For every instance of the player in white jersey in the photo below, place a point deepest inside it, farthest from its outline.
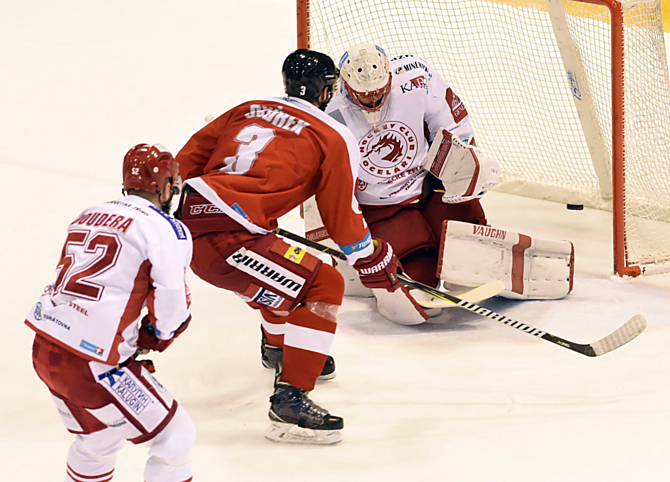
(119, 257)
(420, 181)
(395, 110)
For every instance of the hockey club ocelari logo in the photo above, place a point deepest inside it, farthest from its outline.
(388, 150)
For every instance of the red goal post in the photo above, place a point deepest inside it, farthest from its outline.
(571, 96)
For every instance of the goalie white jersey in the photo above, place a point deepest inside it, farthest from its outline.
(393, 152)
(117, 258)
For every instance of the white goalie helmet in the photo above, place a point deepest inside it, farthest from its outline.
(366, 79)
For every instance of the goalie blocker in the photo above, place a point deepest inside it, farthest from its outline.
(529, 268)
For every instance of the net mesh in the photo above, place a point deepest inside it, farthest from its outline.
(502, 58)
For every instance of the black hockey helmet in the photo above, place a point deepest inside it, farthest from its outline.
(306, 73)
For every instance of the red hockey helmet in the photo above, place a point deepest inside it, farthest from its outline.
(148, 168)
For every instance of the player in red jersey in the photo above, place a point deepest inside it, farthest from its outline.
(118, 257)
(244, 170)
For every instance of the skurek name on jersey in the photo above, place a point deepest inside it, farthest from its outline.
(277, 117)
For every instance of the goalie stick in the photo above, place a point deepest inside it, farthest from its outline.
(626, 333)
(473, 295)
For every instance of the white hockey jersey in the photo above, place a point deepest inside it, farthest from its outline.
(392, 154)
(118, 257)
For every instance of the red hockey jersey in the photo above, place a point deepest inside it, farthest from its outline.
(263, 158)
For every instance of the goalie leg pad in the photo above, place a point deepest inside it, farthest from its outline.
(529, 268)
(316, 231)
(400, 307)
(352, 282)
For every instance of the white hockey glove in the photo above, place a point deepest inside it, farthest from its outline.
(466, 172)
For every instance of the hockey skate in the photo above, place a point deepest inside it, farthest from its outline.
(297, 419)
(272, 356)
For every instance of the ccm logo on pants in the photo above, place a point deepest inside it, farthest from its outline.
(271, 273)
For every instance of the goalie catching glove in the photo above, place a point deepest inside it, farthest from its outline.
(380, 269)
(466, 172)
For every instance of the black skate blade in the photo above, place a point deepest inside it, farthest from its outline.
(291, 433)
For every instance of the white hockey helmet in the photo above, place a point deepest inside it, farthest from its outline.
(366, 79)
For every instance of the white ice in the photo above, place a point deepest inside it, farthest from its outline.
(463, 399)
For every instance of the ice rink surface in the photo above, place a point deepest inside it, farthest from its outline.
(460, 399)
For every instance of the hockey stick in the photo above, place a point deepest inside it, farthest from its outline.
(479, 293)
(627, 332)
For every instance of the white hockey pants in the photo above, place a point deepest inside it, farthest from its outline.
(92, 457)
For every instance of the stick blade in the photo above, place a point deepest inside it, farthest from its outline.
(473, 295)
(481, 293)
(628, 332)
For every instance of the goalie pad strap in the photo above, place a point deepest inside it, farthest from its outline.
(470, 191)
(518, 262)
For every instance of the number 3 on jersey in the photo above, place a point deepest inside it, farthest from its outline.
(252, 140)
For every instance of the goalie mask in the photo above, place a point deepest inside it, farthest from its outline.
(150, 168)
(366, 79)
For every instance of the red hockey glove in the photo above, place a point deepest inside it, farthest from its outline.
(148, 340)
(148, 364)
(380, 269)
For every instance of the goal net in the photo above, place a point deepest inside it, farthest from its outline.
(571, 97)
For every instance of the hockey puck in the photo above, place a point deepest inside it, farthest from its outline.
(575, 207)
